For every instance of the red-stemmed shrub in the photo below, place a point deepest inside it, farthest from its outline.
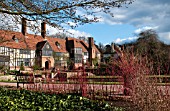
(144, 92)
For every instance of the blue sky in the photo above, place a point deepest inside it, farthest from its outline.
(106, 33)
(127, 22)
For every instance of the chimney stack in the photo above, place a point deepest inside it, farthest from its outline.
(24, 26)
(91, 42)
(90, 51)
(43, 29)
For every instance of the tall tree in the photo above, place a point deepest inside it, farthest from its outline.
(150, 46)
(59, 13)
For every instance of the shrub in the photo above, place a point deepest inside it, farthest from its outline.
(13, 72)
(22, 68)
(36, 67)
(1, 67)
(146, 95)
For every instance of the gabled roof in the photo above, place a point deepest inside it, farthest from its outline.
(40, 45)
(77, 44)
(86, 45)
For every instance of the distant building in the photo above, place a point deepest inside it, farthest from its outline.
(112, 52)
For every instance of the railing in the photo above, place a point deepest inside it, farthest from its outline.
(81, 83)
(86, 84)
(163, 80)
(27, 79)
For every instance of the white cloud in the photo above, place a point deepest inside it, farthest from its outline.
(165, 37)
(77, 33)
(148, 13)
(137, 31)
(70, 32)
(143, 14)
(52, 30)
(119, 16)
(125, 40)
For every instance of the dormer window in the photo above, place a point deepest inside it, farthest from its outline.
(58, 44)
(15, 39)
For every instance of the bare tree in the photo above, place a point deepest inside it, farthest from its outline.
(59, 13)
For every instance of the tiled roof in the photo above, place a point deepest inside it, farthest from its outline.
(86, 45)
(77, 43)
(29, 41)
(19, 41)
(61, 47)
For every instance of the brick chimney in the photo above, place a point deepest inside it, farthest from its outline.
(43, 29)
(90, 49)
(24, 26)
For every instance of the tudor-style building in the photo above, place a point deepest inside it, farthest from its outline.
(46, 52)
(44, 55)
(82, 52)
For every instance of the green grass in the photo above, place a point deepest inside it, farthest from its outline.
(74, 82)
(8, 81)
(99, 77)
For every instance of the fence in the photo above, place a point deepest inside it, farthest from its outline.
(80, 82)
(89, 85)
